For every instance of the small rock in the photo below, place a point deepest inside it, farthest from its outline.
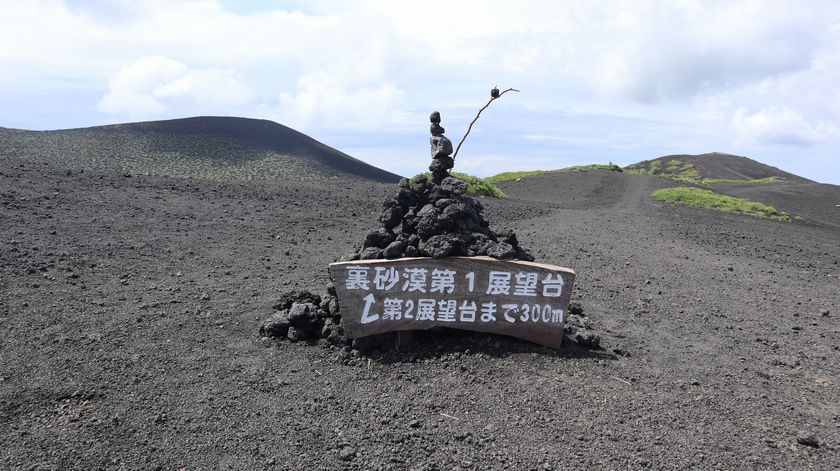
(576, 309)
(501, 251)
(454, 186)
(379, 238)
(394, 249)
(304, 316)
(415, 424)
(824, 312)
(441, 146)
(587, 338)
(391, 217)
(347, 454)
(296, 296)
(507, 236)
(621, 352)
(807, 439)
(370, 253)
(204, 296)
(277, 325)
(439, 245)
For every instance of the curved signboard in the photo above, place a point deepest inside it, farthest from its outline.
(521, 299)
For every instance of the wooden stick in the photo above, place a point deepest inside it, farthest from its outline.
(476, 119)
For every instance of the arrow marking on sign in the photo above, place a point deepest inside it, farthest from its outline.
(367, 318)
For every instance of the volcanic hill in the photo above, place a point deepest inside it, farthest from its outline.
(212, 148)
(746, 178)
(713, 165)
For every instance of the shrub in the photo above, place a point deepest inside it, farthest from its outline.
(709, 199)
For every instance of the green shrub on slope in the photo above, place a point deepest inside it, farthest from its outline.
(709, 199)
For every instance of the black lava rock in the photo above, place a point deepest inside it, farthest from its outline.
(454, 186)
(807, 439)
(300, 296)
(438, 246)
(502, 251)
(379, 238)
(304, 316)
(277, 325)
(370, 253)
(587, 338)
(394, 249)
(391, 216)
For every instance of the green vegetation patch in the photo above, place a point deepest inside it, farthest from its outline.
(475, 186)
(686, 172)
(673, 169)
(508, 176)
(709, 199)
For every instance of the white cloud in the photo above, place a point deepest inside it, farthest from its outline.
(323, 101)
(377, 68)
(778, 126)
(148, 84)
(682, 49)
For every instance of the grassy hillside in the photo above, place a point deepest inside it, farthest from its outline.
(212, 148)
(708, 169)
(507, 176)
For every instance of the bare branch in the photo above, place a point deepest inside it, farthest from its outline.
(476, 119)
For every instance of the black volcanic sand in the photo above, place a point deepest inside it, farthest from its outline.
(816, 202)
(129, 309)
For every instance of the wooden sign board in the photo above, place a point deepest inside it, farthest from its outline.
(521, 299)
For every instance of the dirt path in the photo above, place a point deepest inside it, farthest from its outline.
(637, 190)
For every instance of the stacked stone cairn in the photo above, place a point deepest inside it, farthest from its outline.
(435, 217)
(425, 218)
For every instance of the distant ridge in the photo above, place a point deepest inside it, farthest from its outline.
(717, 165)
(209, 147)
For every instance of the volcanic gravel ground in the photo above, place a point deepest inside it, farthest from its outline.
(129, 310)
(816, 202)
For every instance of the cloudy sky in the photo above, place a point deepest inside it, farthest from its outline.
(600, 81)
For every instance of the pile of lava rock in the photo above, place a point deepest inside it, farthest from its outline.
(428, 219)
(301, 315)
(579, 328)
